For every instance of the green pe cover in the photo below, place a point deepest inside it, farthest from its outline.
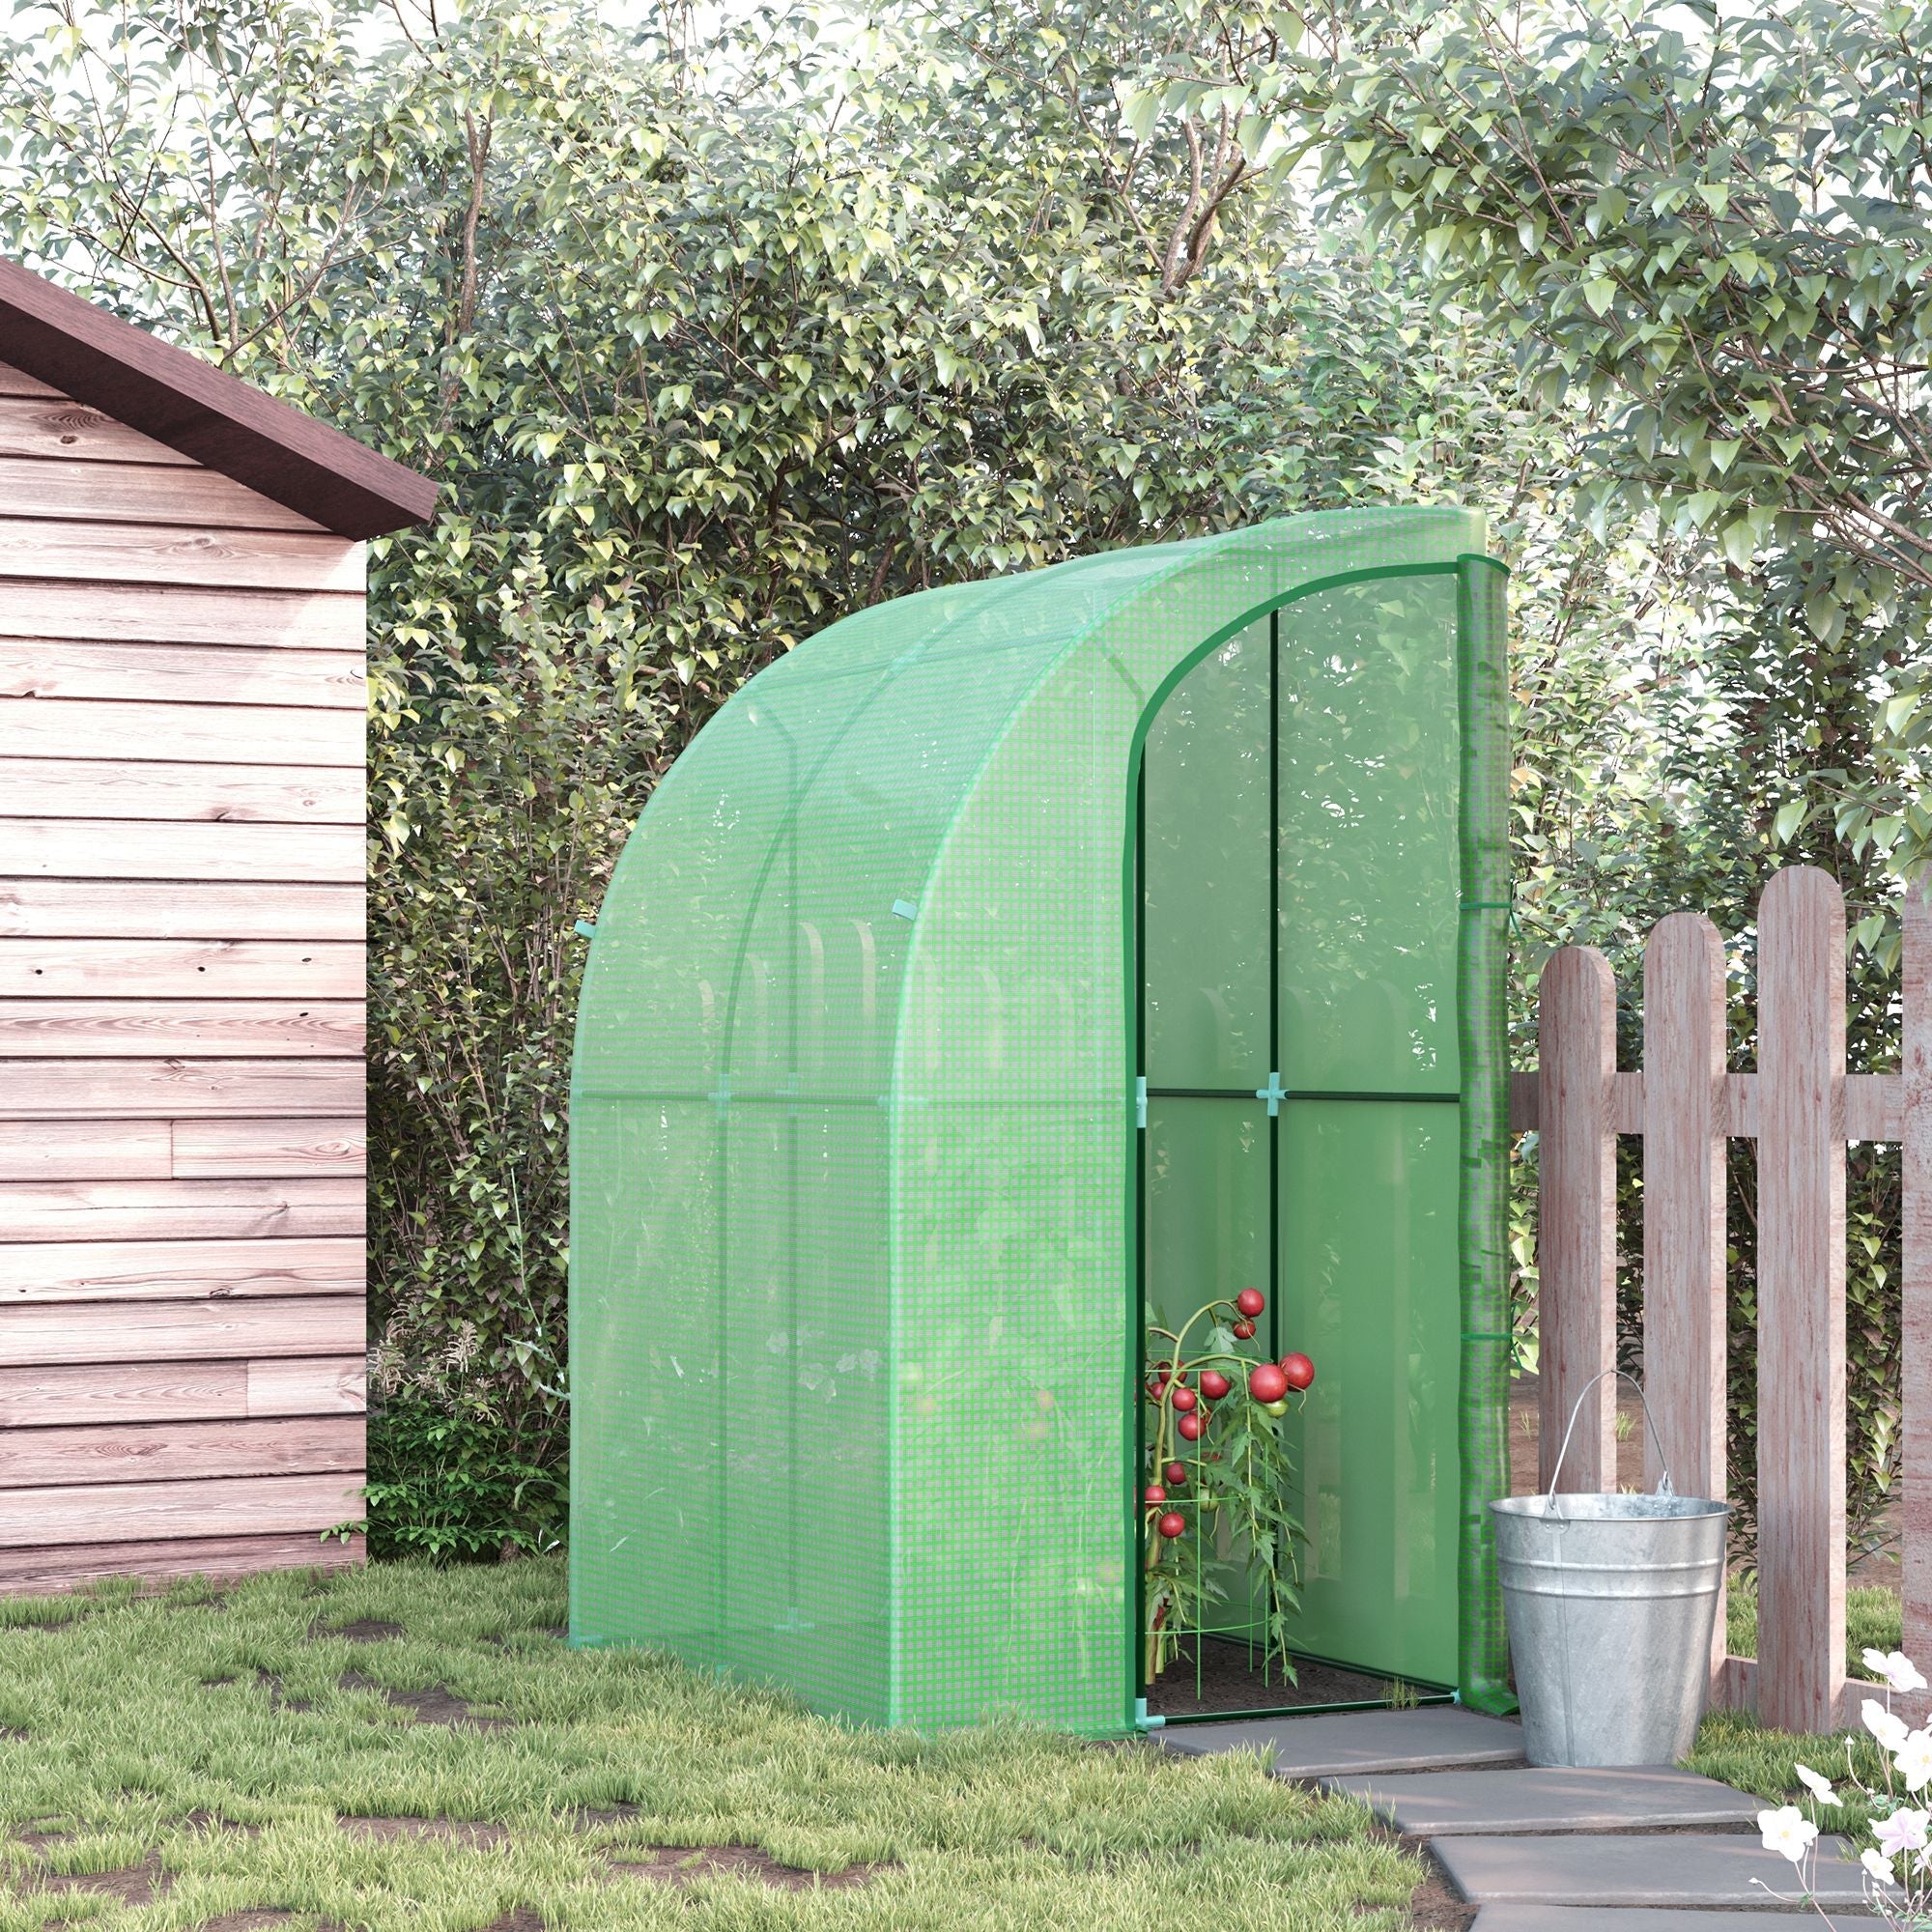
(864, 1218)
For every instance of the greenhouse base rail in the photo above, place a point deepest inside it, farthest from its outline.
(1170, 1720)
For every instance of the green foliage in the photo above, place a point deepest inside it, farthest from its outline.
(1716, 236)
(448, 1483)
(712, 341)
(707, 347)
(500, 792)
(1706, 236)
(1239, 1556)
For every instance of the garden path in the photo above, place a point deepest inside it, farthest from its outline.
(1538, 1849)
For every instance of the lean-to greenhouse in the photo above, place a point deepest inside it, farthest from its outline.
(1010, 967)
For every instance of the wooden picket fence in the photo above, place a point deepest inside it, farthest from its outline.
(1801, 1106)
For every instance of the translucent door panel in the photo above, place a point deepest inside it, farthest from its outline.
(1207, 1203)
(1369, 853)
(1368, 1289)
(1206, 1236)
(1205, 859)
(1312, 762)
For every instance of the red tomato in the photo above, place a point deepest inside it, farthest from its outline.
(1153, 1493)
(1191, 1426)
(1182, 1399)
(1214, 1384)
(1251, 1301)
(1298, 1370)
(1175, 1472)
(1173, 1524)
(1267, 1382)
(1244, 1331)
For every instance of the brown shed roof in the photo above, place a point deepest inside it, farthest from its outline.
(203, 411)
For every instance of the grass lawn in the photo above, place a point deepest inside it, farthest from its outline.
(228, 1757)
(1732, 1746)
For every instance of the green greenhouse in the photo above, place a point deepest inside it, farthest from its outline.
(1006, 969)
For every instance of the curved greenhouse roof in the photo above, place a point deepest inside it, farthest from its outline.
(855, 1298)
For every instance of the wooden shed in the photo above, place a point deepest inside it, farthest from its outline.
(182, 984)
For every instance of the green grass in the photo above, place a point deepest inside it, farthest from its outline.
(1871, 1623)
(1733, 1746)
(1736, 1749)
(132, 1727)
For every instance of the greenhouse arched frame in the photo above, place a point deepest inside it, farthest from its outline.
(1004, 966)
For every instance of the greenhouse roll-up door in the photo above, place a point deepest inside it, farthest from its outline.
(1301, 893)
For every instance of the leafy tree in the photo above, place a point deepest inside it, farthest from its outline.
(1712, 229)
(1720, 235)
(711, 342)
(708, 346)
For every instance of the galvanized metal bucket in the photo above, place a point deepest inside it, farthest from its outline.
(1610, 1602)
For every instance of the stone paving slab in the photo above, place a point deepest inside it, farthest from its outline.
(1359, 1741)
(1554, 1799)
(1595, 1918)
(1680, 1869)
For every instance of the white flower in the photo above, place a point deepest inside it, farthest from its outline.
(1787, 1831)
(1895, 1667)
(1903, 1831)
(1820, 1788)
(1889, 1731)
(1879, 1866)
(1914, 1759)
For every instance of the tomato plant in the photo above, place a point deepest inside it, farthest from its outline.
(1240, 1524)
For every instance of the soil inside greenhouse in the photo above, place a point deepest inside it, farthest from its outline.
(1231, 1678)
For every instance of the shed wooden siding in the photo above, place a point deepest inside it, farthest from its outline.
(182, 1313)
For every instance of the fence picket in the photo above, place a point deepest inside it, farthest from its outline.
(1801, 1288)
(1576, 1215)
(1916, 1280)
(1684, 1170)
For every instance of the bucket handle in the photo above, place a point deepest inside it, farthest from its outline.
(1664, 1488)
